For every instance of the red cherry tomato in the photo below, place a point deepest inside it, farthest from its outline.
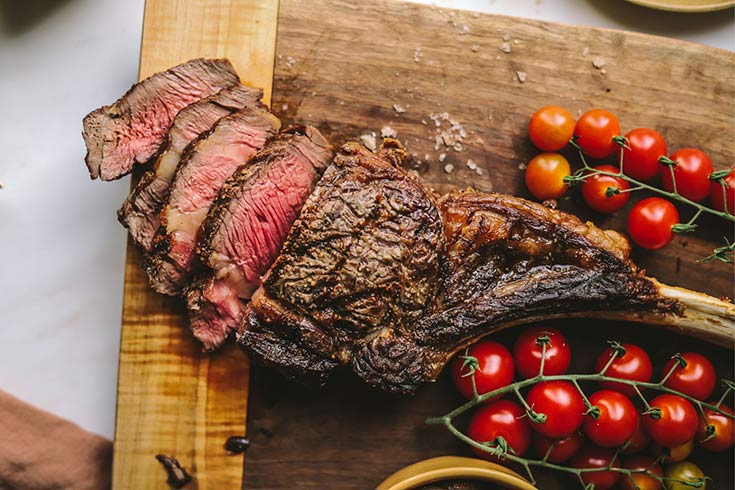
(676, 424)
(594, 191)
(561, 403)
(691, 174)
(596, 457)
(494, 368)
(641, 160)
(616, 421)
(545, 176)
(562, 449)
(595, 130)
(638, 441)
(724, 429)
(650, 222)
(718, 194)
(527, 352)
(697, 379)
(641, 481)
(634, 365)
(502, 418)
(551, 128)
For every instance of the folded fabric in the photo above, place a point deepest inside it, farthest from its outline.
(39, 450)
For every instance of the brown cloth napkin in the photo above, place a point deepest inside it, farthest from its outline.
(42, 451)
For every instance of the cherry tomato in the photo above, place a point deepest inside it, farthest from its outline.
(724, 429)
(650, 222)
(634, 365)
(594, 191)
(684, 472)
(596, 457)
(563, 449)
(717, 194)
(638, 441)
(673, 454)
(595, 130)
(494, 368)
(551, 128)
(677, 423)
(502, 418)
(561, 403)
(545, 176)
(641, 160)
(697, 379)
(691, 174)
(616, 421)
(527, 352)
(641, 481)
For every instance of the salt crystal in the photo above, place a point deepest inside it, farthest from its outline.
(603, 72)
(368, 141)
(290, 62)
(521, 76)
(479, 171)
(521, 166)
(471, 165)
(423, 121)
(448, 168)
(516, 41)
(506, 37)
(457, 147)
(585, 51)
(505, 48)
(598, 62)
(442, 156)
(284, 107)
(388, 132)
(399, 108)
(475, 48)
(426, 157)
(417, 54)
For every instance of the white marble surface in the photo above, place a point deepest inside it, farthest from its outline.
(61, 247)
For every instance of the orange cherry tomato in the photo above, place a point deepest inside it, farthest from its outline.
(551, 128)
(545, 176)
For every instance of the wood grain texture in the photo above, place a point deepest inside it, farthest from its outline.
(342, 65)
(172, 398)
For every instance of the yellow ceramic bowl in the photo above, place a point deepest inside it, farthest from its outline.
(454, 468)
(686, 5)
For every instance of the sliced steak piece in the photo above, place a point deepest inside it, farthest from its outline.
(247, 225)
(140, 213)
(203, 169)
(132, 129)
(377, 275)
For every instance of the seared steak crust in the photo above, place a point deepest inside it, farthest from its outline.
(203, 169)
(360, 263)
(140, 213)
(131, 130)
(377, 275)
(247, 225)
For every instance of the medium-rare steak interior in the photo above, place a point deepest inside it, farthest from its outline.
(131, 130)
(378, 276)
(140, 213)
(247, 225)
(203, 169)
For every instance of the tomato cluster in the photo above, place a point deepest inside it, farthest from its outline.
(687, 171)
(554, 421)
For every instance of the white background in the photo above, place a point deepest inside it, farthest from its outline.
(61, 249)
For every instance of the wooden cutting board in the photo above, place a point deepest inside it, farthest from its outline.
(351, 68)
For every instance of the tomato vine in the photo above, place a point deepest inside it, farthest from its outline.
(499, 446)
(725, 253)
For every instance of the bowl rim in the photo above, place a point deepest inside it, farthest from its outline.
(453, 467)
